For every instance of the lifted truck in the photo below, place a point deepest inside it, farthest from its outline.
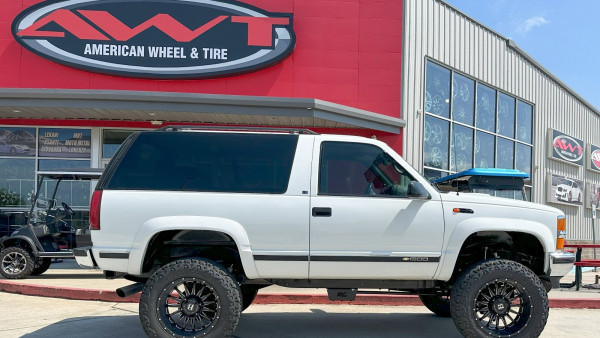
(202, 218)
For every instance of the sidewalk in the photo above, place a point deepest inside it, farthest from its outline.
(67, 280)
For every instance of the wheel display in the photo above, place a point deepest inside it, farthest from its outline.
(41, 266)
(16, 262)
(249, 292)
(190, 297)
(438, 304)
(499, 298)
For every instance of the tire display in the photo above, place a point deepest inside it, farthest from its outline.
(190, 297)
(499, 298)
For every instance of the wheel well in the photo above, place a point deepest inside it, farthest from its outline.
(516, 246)
(168, 246)
(18, 242)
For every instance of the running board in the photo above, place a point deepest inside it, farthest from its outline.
(55, 254)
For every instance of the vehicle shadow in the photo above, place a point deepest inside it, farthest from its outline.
(318, 323)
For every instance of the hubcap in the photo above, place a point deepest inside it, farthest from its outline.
(502, 307)
(188, 306)
(14, 263)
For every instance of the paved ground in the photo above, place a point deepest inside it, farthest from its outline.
(41, 317)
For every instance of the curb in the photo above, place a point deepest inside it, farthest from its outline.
(268, 298)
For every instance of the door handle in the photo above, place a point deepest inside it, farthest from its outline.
(321, 212)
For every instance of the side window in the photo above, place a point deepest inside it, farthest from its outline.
(355, 169)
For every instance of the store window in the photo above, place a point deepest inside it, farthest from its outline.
(478, 126)
(112, 140)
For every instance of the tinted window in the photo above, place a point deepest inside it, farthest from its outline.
(354, 169)
(219, 162)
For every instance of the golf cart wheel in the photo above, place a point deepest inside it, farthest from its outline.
(499, 298)
(16, 262)
(42, 265)
(190, 297)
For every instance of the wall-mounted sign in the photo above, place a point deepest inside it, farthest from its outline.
(61, 143)
(593, 195)
(565, 148)
(156, 39)
(565, 190)
(593, 161)
(16, 141)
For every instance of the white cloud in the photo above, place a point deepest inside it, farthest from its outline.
(530, 23)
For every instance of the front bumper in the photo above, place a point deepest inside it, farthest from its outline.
(561, 263)
(84, 257)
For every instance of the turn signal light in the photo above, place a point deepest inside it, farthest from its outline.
(561, 232)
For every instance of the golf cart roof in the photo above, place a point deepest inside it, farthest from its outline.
(72, 174)
(490, 172)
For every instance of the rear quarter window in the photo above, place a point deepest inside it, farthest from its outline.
(217, 162)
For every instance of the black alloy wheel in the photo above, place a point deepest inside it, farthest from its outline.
(499, 298)
(16, 262)
(190, 298)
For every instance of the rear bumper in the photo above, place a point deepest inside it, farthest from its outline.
(561, 263)
(85, 258)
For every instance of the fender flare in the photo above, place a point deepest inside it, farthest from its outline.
(160, 224)
(29, 241)
(484, 224)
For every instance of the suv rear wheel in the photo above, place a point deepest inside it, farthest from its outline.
(190, 297)
(16, 262)
(499, 298)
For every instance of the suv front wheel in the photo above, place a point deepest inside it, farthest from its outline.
(190, 297)
(499, 298)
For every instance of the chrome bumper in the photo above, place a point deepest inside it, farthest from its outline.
(561, 263)
(84, 257)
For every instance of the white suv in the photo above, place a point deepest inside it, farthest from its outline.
(203, 218)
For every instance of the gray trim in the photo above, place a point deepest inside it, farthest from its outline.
(114, 102)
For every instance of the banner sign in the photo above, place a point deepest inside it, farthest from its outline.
(161, 39)
(565, 190)
(593, 162)
(59, 142)
(17, 141)
(565, 148)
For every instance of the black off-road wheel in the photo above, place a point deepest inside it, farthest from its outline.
(249, 293)
(438, 304)
(16, 262)
(190, 298)
(41, 266)
(499, 298)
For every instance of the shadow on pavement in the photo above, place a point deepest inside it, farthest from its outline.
(263, 325)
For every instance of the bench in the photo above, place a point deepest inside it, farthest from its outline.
(579, 263)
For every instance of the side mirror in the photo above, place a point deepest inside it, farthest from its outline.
(417, 190)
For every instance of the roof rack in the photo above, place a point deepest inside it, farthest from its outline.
(236, 128)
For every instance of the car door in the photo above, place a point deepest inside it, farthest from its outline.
(363, 225)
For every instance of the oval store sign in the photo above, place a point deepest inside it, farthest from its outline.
(594, 162)
(566, 148)
(156, 39)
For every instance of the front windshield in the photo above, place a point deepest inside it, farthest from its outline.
(50, 199)
(566, 182)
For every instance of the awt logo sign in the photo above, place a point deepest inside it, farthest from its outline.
(567, 148)
(594, 158)
(157, 39)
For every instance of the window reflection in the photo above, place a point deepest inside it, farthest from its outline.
(506, 115)
(524, 122)
(484, 150)
(505, 154)
(437, 93)
(463, 99)
(436, 142)
(486, 108)
(462, 146)
(16, 182)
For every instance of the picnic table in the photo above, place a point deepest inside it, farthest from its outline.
(579, 263)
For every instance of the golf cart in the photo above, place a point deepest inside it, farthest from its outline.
(51, 230)
(506, 183)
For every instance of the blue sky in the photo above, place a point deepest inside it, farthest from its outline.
(563, 36)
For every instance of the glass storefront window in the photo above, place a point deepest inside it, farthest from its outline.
(524, 122)
(463, 99)
(16, 182)
(524, 159)
(437, 93)
(436, 142)
(484, 150)
(434, 174)
(505, 154)
(112, 139)
(462, 142)
(62, 164)
(506, 115)
(486, 108)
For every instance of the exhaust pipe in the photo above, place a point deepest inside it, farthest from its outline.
(130, 290)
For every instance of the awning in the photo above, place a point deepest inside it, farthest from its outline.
(187, 107)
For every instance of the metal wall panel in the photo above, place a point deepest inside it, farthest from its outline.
(435, 30)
